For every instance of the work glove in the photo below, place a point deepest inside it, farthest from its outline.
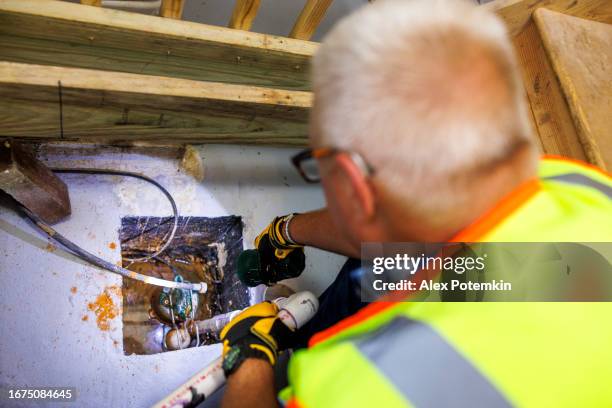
(257, 332)
(279, 258)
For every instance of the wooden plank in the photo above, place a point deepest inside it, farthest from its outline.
(244, 13)
(97, 3)
(61, 33)
(31, 183)
(516, 13)
(309, 19)
(551, 116)
(172, 9)
(550, 113)
(581, 55)
(119, 108)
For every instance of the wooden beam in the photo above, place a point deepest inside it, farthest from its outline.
(244, 13)
(551, 116)
(172, 9)
(61, 33)
(31, 183)
(309, 19)
(581, 54)
(517, 13)
(121, 108)
(97, 3)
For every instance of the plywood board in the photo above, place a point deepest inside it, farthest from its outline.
(581, 54)
(517, 13)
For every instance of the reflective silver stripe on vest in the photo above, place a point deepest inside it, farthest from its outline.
(426, 369)
(581, 179)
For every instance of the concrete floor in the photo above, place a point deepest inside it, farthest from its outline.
(45, 291)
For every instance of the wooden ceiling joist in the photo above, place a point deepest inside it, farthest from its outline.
(119, 108)
(96, 3)
(309, 19)
(172, 9)
(243, 14)
(59, 33)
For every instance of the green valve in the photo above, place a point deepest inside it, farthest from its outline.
(174, 305)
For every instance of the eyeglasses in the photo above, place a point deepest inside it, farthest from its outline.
(306, 162)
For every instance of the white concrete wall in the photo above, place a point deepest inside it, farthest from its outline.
(45, 342)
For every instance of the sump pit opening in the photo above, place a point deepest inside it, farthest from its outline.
(203, 249)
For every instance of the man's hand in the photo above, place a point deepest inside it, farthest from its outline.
(280, 257)
(318, 229)
(256, 333)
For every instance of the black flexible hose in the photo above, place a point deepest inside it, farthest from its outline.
(94, 260)
(141, 177)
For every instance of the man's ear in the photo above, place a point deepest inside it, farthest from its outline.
(361, 188)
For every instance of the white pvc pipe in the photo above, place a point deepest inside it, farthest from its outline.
(294, 311)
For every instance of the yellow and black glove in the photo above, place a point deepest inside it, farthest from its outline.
(276, 257)
(257, 332)
(274, 238)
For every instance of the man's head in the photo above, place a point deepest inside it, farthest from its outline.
(427, 92)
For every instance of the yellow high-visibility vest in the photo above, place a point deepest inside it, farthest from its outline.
(436, 354)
